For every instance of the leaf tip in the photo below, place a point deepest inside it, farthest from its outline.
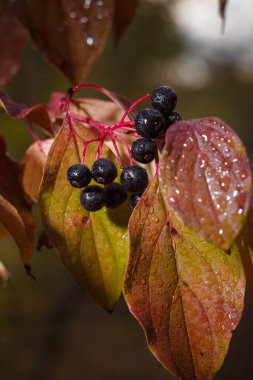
(28, 270)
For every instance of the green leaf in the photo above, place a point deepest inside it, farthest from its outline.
(72, 33)
(186, 293)
(206, 178)
(15, 214)
(93, 246)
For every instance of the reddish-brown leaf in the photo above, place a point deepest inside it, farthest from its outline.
(186, 293)
(123, 15)
(33, 165)
(73, 33)
(13, 39)
(15, 213)
(206, 178)
(37, 114)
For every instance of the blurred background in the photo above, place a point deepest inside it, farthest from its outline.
(49, 329)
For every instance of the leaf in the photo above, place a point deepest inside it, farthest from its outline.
(186, 293)
(33, 165)
(93, 246)
(73, 33)
(206, 178)
(123, 15)
(13, 39)
(4, 275)
(245, 243)
(15, 213)
(37, 114)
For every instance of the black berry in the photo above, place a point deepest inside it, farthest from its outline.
(104, 171)
(164, 99)
(144, 150)
(79, 175)
(93, 198)
(134, 179)
(172, 118)
(149, 123)
(134, 199)
(115, 195)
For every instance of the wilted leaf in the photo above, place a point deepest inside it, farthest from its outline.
(123, 15)
(37, 114)
(206, 178)
(33, 165)
(15, 213)
(13, 39)
(71, 32)
(93, 246)
(186, 293)
(4, 275)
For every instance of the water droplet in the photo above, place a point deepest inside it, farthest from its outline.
(204, 137)
(143, 282)
(86, 4)
(156, 220)
(72, 15)
(221, 231)
(83, 20)
(90, 41)
(151, 210)
(240, 211)
(147, 222)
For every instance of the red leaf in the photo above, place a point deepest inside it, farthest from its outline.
(206, 178)
(73, 33)
(13, 39)
(123, 15)
(186, 293)
(15, 213)
(37, 114)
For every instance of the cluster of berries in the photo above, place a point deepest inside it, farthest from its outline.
(150, 123)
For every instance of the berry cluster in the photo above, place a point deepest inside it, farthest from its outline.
(150, 123)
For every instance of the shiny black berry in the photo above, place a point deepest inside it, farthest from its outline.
(104, 171)
(79, 175)
(149, 123)
(144, 150)
(115, 195)
(134, 199)
(164, 99)
(134, 179)
(93, 198)
(174, 117)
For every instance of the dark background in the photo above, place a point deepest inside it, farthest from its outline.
(49, 329)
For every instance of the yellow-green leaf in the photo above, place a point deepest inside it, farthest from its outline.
(93, 246)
